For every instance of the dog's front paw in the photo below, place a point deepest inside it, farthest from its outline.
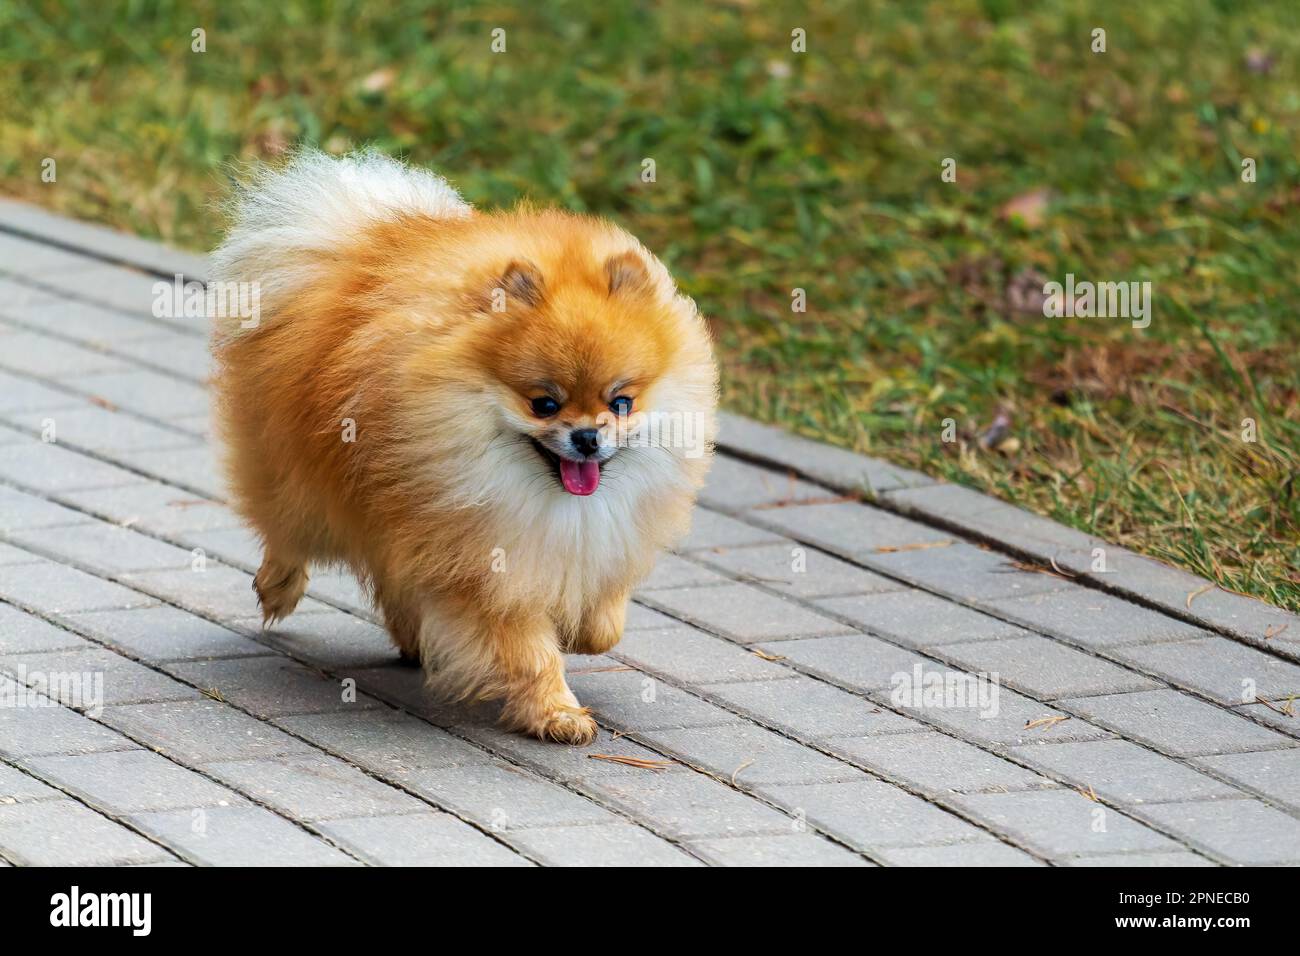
(568, 725)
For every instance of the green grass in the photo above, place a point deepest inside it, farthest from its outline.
(819, 171)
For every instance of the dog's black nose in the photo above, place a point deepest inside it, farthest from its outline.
(585, 440)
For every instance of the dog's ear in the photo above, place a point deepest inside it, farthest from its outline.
(521, 282)
(627, 273)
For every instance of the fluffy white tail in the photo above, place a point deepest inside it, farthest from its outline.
(286, 220)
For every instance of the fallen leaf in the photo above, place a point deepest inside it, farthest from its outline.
(1044, 722)
(1197, 593)
(641, 763)
(738, 769)
(1028, 209)
(919, 546)
(379, 80)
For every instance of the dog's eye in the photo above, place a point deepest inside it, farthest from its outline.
(621, 405)
(544, 406)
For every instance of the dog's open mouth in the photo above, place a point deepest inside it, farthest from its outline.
(578, 477)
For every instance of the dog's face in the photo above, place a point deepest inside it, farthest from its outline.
(580, 352)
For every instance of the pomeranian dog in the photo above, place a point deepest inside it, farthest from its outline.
(495, 419)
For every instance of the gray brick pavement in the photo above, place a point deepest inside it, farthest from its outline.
(759, 670)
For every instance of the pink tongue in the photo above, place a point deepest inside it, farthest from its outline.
(579, 477)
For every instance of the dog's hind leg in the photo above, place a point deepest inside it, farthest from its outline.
(279, 583)
(402, 619)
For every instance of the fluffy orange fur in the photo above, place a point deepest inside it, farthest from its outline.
(379, 416)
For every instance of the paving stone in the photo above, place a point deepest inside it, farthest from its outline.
(986, 517)
(197, 732)
(734, 485)
(391, 744)
(148, 393)
(105, 549)
(918, 619)
(193, 467)
(85, 322)
(238, 836)
(711, 530)
(1253, 620)
(851, 660)
(271, 686)
(1061, 823)
(341, 587)
(17, 296)
(748, 756)
(502, 797)
(640, 618)
(52, 588)
(20, 510)
(1012, 720)
(130, 781)
(1180, 858)
(1247, 831)
(54, 469)
(19, 394)
(937, 764)
(690, 806)
(634, 701)
(743, 613)
(569, 765)
(849, 528)
(65, 833)
(1092, 618)
(334, 640)
(19, 787)
(93, 429)
(870, 815)
(404, 686)
(786, 849)
(425, 839)
(92, 677)
(689, 656)
(1176, 724)
(1280, 719)
(1122, 772)
(964, 572)
(313, 788)
(12, 555)
(120, 288)
(22, 633)
(1044, 668)
(614, 844)
(671, 571)
(41, 727)
(238, 547)
(154, 507)
(833, 467)
(178, 354)
(975, 853)
(1270, 773)
(24, 257)
(34, 354)
(797, 570)
(1224, 670)
(809, 708)
(163, 633)
(218, 592)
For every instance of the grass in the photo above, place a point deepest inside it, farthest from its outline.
(821, 171)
